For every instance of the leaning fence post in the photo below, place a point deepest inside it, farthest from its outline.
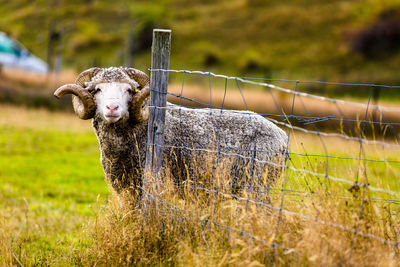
(158, 98)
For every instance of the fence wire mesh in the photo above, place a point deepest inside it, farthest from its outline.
(342, 150)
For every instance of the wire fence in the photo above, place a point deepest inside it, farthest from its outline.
(349, 154)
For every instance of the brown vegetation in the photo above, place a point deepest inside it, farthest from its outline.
(193, 226)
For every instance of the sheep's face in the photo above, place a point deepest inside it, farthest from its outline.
(113, 100)
(111, 94)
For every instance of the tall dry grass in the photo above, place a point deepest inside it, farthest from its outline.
(6, 256)
(197, 223)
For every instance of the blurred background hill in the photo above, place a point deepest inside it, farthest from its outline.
(296, 39)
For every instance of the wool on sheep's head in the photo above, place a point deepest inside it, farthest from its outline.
(111, 94)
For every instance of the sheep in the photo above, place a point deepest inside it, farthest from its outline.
(116, 101)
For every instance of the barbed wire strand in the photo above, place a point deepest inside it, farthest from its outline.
(302, 194)
(287, 125)
(175, 208)
(336, 179)
(292, 153)
(289, 91)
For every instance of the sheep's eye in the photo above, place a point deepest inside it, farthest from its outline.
(96, 90)
(132, 91)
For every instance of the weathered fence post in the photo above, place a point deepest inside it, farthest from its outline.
(158, 99)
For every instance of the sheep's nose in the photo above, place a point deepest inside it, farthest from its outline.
(112, 107)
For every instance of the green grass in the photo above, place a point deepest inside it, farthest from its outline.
(376, 174)
(52, 164)
(50, 180)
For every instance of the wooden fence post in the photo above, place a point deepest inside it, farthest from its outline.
(158, 99)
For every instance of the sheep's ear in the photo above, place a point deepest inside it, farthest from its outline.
(139, 76)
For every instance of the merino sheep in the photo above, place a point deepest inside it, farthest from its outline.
(116, 99)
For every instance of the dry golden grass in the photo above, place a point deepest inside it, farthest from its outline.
(6, 257)
(193, 227)
(203, 224)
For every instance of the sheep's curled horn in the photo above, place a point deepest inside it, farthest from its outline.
(138, 112)
(83, 101)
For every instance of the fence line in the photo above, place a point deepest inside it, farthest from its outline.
(360, 182)
(326, 83)
(271, 163)
(175, 208)
(305, 217)
(285, 90)
(209, 149)
(356, 139)
(267, 190)
(307, 119)
(343, 136)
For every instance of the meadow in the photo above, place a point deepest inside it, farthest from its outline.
(56, 209)
(51, 178)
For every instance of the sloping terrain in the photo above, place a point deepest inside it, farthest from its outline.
(287, 39)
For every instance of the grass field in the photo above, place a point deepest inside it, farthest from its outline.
(51, 178)
(56, 209)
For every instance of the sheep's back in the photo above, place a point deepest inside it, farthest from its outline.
(253, 145)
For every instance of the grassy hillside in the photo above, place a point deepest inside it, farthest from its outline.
(287, 39)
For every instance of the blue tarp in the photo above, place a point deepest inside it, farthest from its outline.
(8, 46)
(14, 55)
